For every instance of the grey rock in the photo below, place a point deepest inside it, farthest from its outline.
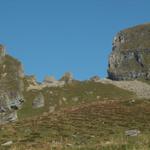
(52, 109)
(95, 79)
(132, 132)
(130, 57)
(39, 101)
(7, 117)
(2, 53)
(75, 99)
(7, 143)
(49, 79)
(16, 99)
(4, 102)
(67, 78)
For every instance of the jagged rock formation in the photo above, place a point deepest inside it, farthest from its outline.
(12, 86)
(50, 81)
(95, 78)
(130, 57)
(67, 78)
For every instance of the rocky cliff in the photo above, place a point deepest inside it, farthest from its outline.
(130, 57)
(11, 86)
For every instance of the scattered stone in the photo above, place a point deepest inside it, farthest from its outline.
(75, 99)
(64, 99)
(7, 143)
(50, 92)
(67, 78)
(132, 101)
(3, 75)
(7, 117)
(98, 97)
(16, 100)
(5, 101)
(51, 109)
(49, 79)
(132, 132)
(95, 78)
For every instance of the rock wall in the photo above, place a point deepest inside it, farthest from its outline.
(130, 57)
(11, 86)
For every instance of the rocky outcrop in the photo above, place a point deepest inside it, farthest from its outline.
(130, 57)
(95, 78)
(50, 81)
(67, 78)
(7, 117)
(12, 86)
(2, 53)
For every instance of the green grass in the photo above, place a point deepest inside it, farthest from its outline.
(138, 37)
(84, 92)
(98, 125)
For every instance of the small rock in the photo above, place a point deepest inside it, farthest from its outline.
(49, 79)
(98, 97)
(51, 109)
(132, 101)
(50, 92)
(95, 78)
(75, 99)
(7, 143)
(64, 99)
(132, 132)
(67, 78)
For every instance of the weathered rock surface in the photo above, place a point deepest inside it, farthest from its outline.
(9, 116)
(50, 81)
(39, 101)
(12, 86)
(95, 78)
(130, 57)
(67, 78)
(141, 89)
(134, 132)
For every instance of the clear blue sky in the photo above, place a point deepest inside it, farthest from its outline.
(51, 37)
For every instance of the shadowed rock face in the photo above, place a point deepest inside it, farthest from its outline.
(130, 57)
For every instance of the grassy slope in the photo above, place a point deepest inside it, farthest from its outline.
(86, 124)
(99, 125)
(139, 37)
(85, 92)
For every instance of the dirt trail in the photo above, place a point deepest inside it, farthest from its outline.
(141, 89)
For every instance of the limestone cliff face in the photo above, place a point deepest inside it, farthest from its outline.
(11, 86)
(130, 57)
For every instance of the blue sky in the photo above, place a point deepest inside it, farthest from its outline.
(51, 37)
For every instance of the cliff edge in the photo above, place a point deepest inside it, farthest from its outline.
(130, 57)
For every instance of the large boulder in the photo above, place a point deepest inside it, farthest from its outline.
(38, 101)
(130, 57)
